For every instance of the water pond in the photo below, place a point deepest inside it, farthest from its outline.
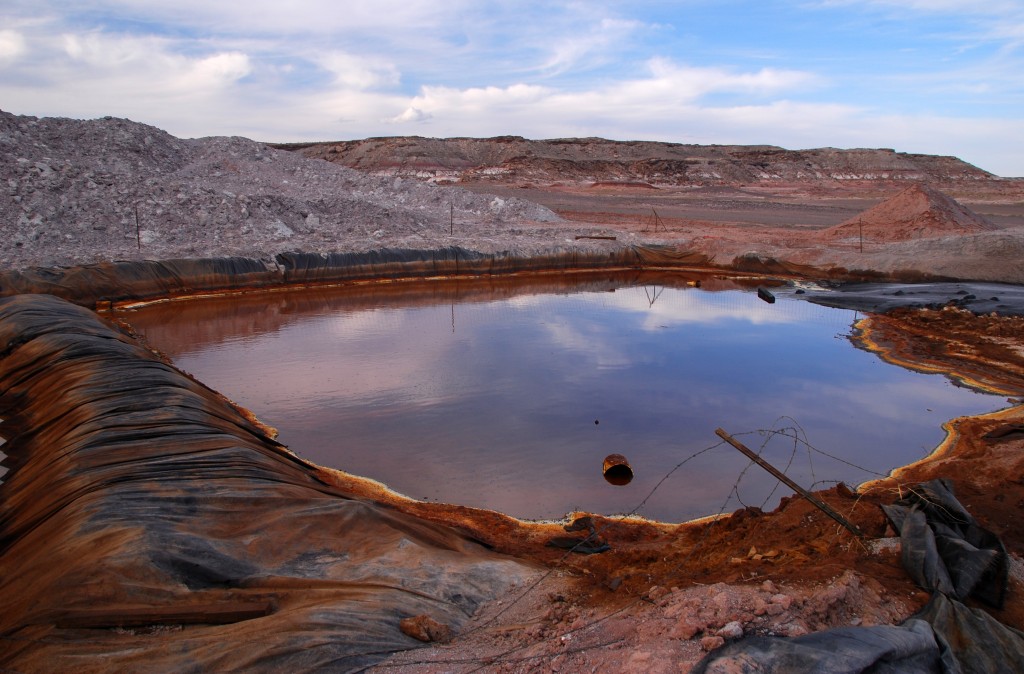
(508, 395)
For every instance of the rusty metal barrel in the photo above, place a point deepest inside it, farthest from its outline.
(617, 470)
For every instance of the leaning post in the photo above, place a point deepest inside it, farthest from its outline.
(817, 502)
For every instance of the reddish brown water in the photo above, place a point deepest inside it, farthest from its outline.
(509, 397)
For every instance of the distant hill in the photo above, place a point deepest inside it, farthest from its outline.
(508, 159)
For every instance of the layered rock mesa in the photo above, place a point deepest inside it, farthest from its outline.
(513, 158)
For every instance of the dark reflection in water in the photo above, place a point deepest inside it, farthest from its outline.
(487, 393)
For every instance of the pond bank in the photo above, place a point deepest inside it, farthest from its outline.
(174, 534)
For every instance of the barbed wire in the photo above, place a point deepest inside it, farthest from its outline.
(795, 433)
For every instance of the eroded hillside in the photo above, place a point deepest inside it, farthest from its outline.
(512, 158)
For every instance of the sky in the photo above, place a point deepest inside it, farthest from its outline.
(925, 76)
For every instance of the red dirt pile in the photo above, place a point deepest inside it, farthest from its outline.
(917, 212)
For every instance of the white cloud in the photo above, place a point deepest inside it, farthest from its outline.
(358, 72)
(675, 83)
(147, 65)
(596, 44)
(106, 52)
(214, 72)
(272, 17)
(669, 93)
(477, 100)
(410, 115)
(12, 46)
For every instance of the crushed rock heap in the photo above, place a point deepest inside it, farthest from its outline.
(84, 191)
(917, 212)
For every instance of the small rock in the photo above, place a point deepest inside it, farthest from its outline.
(638, 661)
(721, 601)
(425, 628)
(656, 593)
(687, 629)
(793, 630)
(732, 630)
(711, 643)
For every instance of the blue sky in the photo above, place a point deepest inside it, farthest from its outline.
(930, 76)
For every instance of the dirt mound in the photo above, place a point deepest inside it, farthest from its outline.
(917, 212)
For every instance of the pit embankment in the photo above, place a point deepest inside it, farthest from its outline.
(140, 507)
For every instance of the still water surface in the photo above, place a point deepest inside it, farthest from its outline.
(509, 397)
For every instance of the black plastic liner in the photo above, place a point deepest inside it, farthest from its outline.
(399, 262)
(944, 548)
(142, 279)
(979, 298)
(909, 649)
(147, 279)
(137, 497)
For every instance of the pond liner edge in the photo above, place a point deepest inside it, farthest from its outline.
(101, 283)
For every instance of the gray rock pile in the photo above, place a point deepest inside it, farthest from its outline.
(110, 189)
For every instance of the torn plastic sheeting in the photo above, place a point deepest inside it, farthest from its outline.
(908, 649)
(945, 549)
(970, 640)
(946, 552)
(945, 637)
(759, 264)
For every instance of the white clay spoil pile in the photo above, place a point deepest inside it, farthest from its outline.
(111, 189)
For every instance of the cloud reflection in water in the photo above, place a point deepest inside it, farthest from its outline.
(492, 403)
